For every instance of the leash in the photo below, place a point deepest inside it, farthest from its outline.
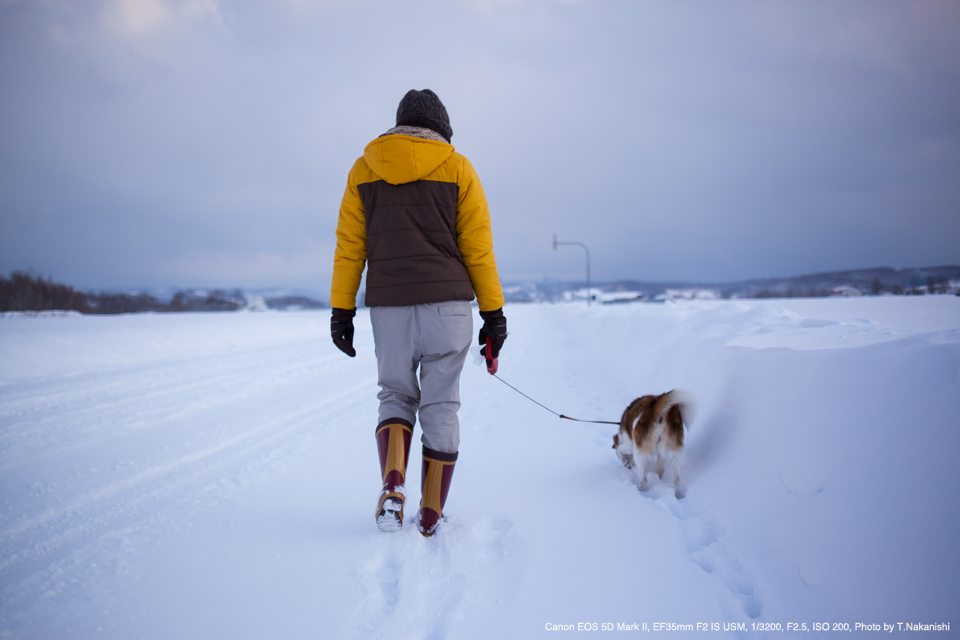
(492, 370)
(559, 415)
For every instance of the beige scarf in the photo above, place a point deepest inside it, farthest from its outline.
(416, 132)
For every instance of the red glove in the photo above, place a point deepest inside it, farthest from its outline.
(495, 328)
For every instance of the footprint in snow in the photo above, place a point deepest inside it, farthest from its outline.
(416, 586)
(379, 579)
(708, 550)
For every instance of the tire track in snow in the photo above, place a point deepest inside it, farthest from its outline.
(173, 472)
(39, 408)
(38, 547)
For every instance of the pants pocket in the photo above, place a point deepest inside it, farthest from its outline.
(455, 309)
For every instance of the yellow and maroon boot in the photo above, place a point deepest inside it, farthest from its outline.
(434, 485)
(393, 443)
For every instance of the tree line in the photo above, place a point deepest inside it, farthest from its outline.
(25, 292)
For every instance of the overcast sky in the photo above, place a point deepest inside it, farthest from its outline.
(206, 143)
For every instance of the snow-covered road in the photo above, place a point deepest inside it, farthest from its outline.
(214, 475)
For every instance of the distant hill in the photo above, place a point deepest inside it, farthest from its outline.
(875, 280)
(878, 280)
(27, 292)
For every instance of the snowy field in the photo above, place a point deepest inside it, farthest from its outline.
(215, 476)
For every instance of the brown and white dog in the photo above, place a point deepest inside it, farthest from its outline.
(651, 436)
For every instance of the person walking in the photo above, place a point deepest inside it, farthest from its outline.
(415, 215)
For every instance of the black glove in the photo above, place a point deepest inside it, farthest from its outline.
(494, 326)
(341, 328)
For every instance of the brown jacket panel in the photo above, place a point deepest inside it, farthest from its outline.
(412, 253)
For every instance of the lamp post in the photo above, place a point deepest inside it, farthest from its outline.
(556, 243)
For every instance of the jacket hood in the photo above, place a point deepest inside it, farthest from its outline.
(399, 159)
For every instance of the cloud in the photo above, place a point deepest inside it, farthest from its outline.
(94, 23)
(132, 17)
(736, 139)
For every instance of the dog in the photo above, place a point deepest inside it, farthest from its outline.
(651, 436)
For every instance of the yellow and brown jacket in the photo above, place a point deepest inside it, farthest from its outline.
(415, 211)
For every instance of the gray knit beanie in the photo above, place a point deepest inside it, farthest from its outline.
(424, 109)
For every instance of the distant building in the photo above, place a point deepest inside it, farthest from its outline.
(581, 294)
(620, 297)
(846, 292)
(690, 294)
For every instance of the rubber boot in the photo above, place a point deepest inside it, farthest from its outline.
(393, 443)
(434, 485)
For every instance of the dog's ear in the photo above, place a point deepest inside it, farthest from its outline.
(616, 440)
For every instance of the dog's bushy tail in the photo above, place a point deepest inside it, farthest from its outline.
(687, 404)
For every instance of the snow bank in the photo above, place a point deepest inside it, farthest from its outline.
(214, 475)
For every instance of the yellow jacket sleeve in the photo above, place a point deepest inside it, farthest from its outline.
(350, 256)
(475, 239)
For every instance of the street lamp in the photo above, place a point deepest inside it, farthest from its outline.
(579, 244)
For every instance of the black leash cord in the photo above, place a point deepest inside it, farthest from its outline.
(559, 415)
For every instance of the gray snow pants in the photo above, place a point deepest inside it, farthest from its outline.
(436, 338)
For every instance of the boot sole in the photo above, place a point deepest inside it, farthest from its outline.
(390, 517)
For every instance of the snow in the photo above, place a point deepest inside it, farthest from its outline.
(215, 475)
